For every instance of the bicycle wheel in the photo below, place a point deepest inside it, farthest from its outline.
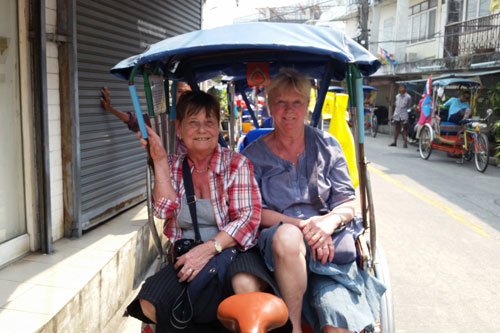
(374, 126)
(386, 322)
(424, 143)
(481, 153)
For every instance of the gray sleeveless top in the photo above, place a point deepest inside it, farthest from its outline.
(206, 219)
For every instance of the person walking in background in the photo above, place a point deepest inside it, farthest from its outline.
(400, 116)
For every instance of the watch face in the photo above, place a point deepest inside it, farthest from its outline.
(218, 247)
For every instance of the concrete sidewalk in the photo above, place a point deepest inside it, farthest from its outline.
(84, 284)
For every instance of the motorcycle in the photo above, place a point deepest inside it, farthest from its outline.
(412, 125)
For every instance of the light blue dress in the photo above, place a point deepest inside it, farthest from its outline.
(337, 295)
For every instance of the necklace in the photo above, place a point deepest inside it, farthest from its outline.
(287, 154)
(201, 171)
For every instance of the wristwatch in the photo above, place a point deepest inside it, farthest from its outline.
(217, 245)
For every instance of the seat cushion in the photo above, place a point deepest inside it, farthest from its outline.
(448, 127)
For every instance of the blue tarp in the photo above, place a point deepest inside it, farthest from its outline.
(455, 81)
(226, 50)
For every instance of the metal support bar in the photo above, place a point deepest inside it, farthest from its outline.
(323, 89)
(247, 102)
(151, 221)
(230, 105)
(355, 88)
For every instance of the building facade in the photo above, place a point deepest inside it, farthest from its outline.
(454, 37)
(66, 164)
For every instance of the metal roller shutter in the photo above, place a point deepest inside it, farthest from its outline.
(112, 164)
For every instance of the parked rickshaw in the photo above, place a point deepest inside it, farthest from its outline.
(463, 140)
(371, 120)
(369, 95)
(321, 53)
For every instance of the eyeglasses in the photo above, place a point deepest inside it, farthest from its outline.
(295, 105)
(208, 124)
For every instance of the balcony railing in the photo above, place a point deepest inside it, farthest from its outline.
(474, 36)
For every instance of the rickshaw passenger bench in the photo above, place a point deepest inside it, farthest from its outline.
(253, 135)
(449, 128)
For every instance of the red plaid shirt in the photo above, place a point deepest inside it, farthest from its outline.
(234, 194)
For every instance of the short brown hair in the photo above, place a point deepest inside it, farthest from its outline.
(192, 102)
(290, 79)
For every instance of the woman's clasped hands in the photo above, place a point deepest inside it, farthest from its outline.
(317, 231)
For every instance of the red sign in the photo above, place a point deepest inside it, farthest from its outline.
(258, 74)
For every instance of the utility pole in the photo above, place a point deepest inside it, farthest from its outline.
(363, 23)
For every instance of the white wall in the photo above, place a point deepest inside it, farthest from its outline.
(352, 27)
(423, 50)
(54, 110)
(388, 12)
(429, 49)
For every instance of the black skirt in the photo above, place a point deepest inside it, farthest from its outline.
(163, 288)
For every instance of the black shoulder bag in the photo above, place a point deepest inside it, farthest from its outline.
(206, 289)
(182, 309)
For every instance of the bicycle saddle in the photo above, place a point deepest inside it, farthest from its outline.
(254, 312)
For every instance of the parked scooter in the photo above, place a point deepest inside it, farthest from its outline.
(412, 125)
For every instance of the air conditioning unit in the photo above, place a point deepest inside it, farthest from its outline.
(412, 56)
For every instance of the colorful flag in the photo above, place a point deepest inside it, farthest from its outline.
(494, 5)
(425, 103)
(387, 57)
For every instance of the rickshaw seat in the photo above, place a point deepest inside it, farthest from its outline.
(254, 312)
(268, 123)
(448, 127)
(253, 135)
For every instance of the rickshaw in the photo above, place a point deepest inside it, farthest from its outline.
(321, 53)
(370, 119)
(463, 140)
(369, 95)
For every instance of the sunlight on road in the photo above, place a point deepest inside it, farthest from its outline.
(435, 203)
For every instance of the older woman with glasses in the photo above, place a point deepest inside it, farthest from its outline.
(306, 195)
(228, 210)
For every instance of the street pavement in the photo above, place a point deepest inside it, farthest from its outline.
(439, 224)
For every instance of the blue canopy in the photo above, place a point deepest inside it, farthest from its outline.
(204, 54)
(456, 81)
(369, 88)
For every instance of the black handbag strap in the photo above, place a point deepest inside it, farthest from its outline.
(313, 185)
(316, 200)
(190, 197)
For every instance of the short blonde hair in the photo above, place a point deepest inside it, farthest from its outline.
(289, 79)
